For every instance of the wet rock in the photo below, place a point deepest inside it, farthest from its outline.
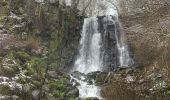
(73, 82)
(129, 71)
(96, 75)
(92, 98)
(74, 92)
(79, 75)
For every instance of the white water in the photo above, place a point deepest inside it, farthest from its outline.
(89, 59)
(86, 90)
(68, 2)
(124, 58)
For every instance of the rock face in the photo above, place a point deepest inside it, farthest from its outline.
(114, 48)
(109, 29)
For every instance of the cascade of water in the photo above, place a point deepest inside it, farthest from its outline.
(124, 58)
(89, 59)
(90, 53)
(92, 56)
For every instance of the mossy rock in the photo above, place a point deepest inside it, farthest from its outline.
(5, 90)
(72, 98)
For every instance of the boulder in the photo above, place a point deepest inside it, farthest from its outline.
(74, 92)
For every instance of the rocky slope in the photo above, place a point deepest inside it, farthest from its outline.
(36, 40)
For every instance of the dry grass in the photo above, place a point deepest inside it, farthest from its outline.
(119, 89)
(31, 43)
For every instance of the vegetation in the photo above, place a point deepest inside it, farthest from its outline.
(35, 37)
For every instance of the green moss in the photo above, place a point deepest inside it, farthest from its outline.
(58, 94)
(30, 71)
(59, 85)
(72, 98)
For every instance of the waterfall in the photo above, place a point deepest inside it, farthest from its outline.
(89, 59)
(90, 44)
(102, 46)
(124, 58)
